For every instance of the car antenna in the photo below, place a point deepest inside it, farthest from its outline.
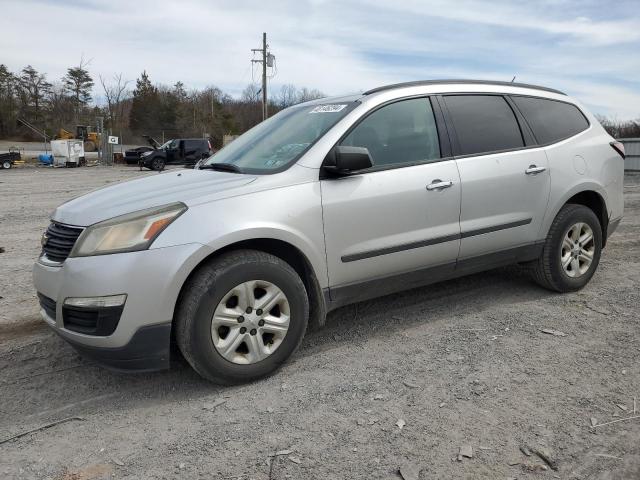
(513, 79)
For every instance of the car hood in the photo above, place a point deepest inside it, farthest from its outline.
(155, 190)
(152, 141)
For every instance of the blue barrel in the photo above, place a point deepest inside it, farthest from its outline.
(45, 159)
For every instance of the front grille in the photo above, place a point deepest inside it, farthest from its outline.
(59, 241)
(90, 320)
(48, 305)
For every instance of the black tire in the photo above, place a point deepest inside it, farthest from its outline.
(6, 165)
(547, 270)
(157, 164)
(203, 292)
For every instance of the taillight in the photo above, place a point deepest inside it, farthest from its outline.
(209, 143)
(618, 147)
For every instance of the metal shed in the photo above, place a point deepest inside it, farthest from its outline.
(632, 151)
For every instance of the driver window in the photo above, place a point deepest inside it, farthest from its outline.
(399, 133)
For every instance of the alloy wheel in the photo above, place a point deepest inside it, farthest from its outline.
(577, 250)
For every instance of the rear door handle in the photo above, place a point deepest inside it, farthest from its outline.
(533, 170)
(438, 184)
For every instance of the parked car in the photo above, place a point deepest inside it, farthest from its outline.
(180, 151)
(328, 203)
(132, 156)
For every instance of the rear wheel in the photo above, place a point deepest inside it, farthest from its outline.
(571, 251)
(242, 316)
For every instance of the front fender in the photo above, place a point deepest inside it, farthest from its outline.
(291, 214)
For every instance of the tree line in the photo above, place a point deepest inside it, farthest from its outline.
(131, 110)
(620, 129)
(145, 108)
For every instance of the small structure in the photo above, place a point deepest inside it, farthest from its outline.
(632, 153)
(67, 153)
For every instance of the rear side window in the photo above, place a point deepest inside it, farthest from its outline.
(192, 144)
(483, 123)
(550, 120)
(399, 133)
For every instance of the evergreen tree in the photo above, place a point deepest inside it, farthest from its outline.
(33, 89)
(7, 101)
(145, 107)
(78, 83)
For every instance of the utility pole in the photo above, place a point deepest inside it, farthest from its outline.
(267, 60)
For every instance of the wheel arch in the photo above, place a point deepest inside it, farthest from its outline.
(286, 252)
(591, 198)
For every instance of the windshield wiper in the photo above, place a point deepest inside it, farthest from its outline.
(221, 167)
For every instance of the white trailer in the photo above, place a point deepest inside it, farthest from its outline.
(67, 153)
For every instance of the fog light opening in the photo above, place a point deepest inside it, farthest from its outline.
(96, 302)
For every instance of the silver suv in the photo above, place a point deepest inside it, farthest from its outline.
(324, 204)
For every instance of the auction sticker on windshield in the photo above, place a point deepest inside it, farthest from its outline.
(328, 108)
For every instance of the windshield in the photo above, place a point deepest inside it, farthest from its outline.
(170, 144)
(276, 143)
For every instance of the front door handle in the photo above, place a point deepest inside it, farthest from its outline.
(534, 170)
(438, 184)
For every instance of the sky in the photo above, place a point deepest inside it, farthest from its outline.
(589, 49)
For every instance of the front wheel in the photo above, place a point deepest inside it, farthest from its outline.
(6, 165)
(572, 250)
(241, 317)
(157, 164)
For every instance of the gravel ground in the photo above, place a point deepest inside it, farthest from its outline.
(402, 381)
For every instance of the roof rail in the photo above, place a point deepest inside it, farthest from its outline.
(458, 82)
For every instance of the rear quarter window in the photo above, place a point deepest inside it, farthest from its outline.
(551, 120)
(483, 124)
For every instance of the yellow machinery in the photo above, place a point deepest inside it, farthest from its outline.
(85, 133)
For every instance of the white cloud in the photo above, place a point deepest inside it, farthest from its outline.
(337, 47)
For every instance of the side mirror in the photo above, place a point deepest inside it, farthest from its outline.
(343, 160)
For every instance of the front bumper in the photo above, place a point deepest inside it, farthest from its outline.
(147, 351)
(152, 280)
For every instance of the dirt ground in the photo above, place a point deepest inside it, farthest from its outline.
(402, 381)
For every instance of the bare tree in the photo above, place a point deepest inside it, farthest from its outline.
(288, 96)
(61, 107)
(250, 93)
(305, 95)
(620, 129)
(116, 93)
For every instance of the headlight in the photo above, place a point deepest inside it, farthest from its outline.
(145, 154)
(127, 233)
